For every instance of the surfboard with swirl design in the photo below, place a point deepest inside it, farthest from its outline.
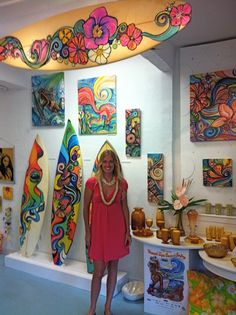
(34, 198)
(66, 195)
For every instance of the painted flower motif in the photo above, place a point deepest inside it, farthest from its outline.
(100, 55)
(65, 35)
(227, 116)
(132, 38)
(198, 97)
(77, 51)
(180, 15)
(2, 53)
(40, 49)
(99, 28)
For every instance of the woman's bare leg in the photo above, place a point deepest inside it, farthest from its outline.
(112, 268)
(99, 268)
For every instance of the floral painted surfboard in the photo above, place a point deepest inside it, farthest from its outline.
(66, 195)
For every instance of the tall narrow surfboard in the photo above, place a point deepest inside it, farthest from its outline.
(66, 195)
(34, 198)
(104, 147)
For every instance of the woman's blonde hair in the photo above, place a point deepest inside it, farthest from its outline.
(117, 172)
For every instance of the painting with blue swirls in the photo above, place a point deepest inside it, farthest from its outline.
(133, 132)
(213, 106)
(48, 100)
(155, 177)
(97, 106)
(217, 172)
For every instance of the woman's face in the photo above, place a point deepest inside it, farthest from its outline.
(5, 161)
(108, 165)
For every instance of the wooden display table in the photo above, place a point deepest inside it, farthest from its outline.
(165, 275)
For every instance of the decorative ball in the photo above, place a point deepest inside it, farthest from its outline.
(133, 290)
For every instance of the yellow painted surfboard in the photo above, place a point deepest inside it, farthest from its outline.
(95, 35)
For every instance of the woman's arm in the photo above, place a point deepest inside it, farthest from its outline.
(87, 200)
(125, 209)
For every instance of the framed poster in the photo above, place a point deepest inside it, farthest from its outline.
(7, 165)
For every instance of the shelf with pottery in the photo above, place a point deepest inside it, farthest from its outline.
(220, 266)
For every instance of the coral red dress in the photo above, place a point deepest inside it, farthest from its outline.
(107, 225)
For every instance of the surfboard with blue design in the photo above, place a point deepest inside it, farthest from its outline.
(66, 195)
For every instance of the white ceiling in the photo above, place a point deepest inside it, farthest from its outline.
(212, 20)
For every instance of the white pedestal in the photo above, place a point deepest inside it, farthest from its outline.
(73, 273)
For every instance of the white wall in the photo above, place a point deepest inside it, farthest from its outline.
(139, 85)
(193, 60)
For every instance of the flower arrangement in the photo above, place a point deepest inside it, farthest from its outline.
(180, 201)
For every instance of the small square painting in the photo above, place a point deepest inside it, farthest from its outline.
(7, 165)
(48, 108)
(217, 172)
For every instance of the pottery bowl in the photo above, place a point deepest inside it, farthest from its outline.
(233, 261)
(133, 290)
(215, 250)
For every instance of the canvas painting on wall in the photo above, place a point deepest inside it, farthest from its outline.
(133, 132)
(97, 105)
(48, 100)
(213, 106)
(155, 177)
(7, 193)
(217, 172)
(7, 165)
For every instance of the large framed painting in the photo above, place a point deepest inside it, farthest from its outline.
(217, 172)
(213, 106)
(48, 100)
(97, 105)
(7, 165)
(133, 132)
(155, 174)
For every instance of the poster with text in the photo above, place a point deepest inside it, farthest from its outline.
(165, 280)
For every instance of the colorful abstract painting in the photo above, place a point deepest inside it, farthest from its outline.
(48, 100)
(217, 172)
(155, 177)
(7, 193)
(213, 106)
(7, 165)
(97, 105)
(133, 132)
(0, 203)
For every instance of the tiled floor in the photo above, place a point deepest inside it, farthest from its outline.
(24, 294)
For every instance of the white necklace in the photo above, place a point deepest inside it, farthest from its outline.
(112, 182)
(108, 203)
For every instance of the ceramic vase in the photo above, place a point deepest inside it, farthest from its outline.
(137, 219)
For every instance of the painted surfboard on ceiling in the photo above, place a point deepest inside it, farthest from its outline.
(66, 195)
(95, 35)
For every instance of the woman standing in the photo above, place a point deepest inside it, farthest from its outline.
(108, 236)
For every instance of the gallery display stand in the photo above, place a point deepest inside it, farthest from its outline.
(165, 275)
(72, 273)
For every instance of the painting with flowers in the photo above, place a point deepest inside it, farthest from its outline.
(97, 105)
(101, 36)
(213, 106)
(48, 100)
(217, 172)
